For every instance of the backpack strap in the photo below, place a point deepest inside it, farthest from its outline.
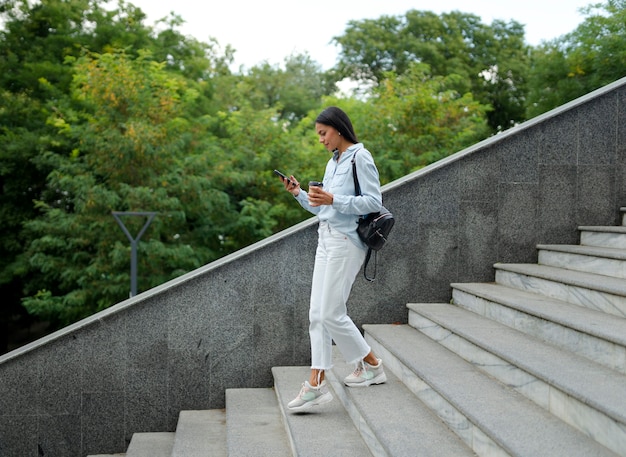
(357, 187)
(357, 191)
(367, 259)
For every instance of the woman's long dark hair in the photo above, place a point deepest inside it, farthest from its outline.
(336, 118)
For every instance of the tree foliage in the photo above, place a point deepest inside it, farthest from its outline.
(591, 56)
(124, 124)
(415, 119)
(294, 90)
(491, 61)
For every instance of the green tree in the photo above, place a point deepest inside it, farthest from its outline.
(490, 60)
(254, 143)
(40, 123)
(413, 120)
(136, 146)
(293, 90)
(38, 37)
(20, 119)
(128, 156)
(591, 56)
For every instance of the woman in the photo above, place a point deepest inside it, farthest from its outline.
(338, 259)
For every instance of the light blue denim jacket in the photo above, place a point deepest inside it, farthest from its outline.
(344, 213)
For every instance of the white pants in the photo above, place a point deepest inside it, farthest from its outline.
(337, 262)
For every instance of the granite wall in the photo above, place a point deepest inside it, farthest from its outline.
(133, 367)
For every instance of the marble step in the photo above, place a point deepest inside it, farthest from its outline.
(151, 444)
(592, 259)
(326, 430)
(490, 417)
(593, 334)
(391, 419)
(599, 292)
(200, 433)
(589, 397)
(604, 236)
(254, 424)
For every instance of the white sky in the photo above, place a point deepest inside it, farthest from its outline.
(271, 30)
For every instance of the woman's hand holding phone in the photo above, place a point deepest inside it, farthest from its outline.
(290, 183)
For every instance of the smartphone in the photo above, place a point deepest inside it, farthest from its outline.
(276, 172)
(316, 184)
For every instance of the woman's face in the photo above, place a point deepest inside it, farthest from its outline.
(329, 136)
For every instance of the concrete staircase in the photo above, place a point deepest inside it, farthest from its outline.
(531, 365)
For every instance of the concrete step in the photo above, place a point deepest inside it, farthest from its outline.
(593, 334)
(326, 430)
(254, 424)
(200, 433)
(154, 444)
(490, 417)
(589, 290)
(391, 420)
(591, 259)
(608, 237)
(590, 397)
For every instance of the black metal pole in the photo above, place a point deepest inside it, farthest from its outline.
(133, 242)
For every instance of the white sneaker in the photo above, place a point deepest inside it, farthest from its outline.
(310, 396)
(365, 375)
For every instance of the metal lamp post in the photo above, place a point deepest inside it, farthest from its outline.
(133, 242)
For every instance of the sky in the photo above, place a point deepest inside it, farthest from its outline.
(271, 30)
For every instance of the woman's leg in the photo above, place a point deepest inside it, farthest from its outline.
(338, 262)
(317, 377)
(342, 264)
(315, 391)
(371, 359)
(321, 341)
